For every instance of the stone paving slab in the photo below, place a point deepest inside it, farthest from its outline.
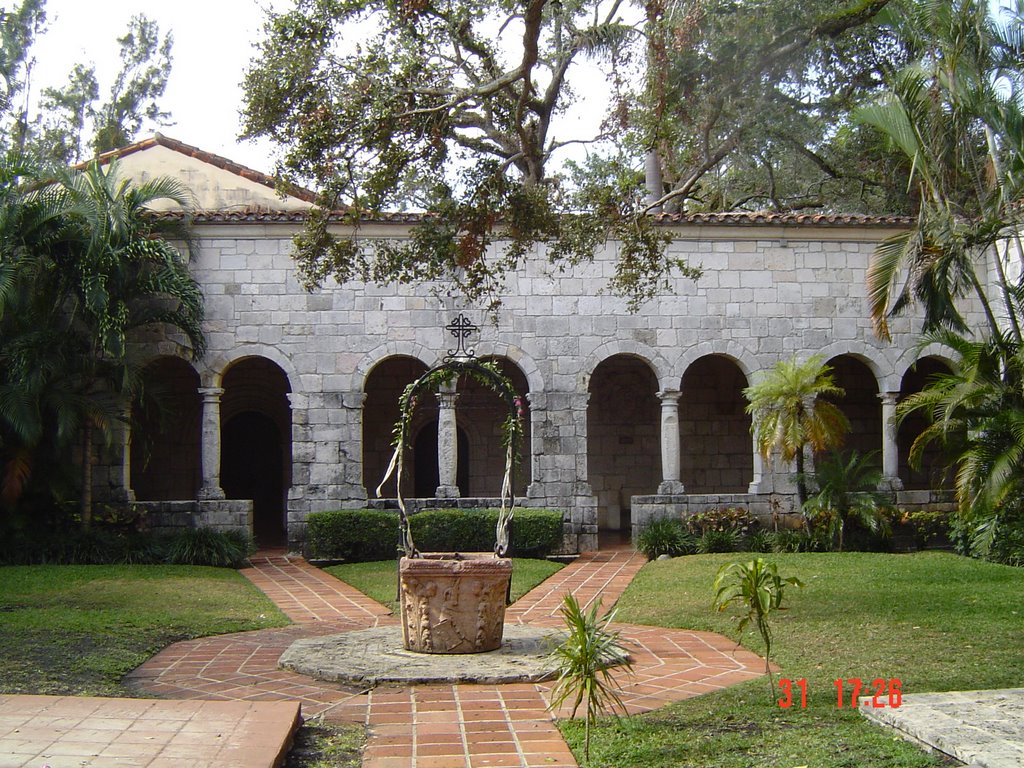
(984, 729)
(92, 732)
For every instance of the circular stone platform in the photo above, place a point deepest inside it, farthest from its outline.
(372, 657)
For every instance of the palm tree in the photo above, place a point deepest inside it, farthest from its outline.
(101, 267)
(788, 411)
(977, 414)
(122, 273)
(962, 135)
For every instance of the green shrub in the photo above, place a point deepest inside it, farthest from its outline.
(362, 535)
(353, 535)
(665, 537)
(760, 541)
(715, 540)
(930, 528)
(207, 546)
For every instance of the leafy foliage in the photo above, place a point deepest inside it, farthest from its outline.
(584, 664)
(788, 411)
(846, 490)
(666, 536)
(449, 110)
(83, 266)
(756, 587)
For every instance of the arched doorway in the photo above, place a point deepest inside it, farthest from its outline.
(252, 469)
(861, 405)
(623, 437)
(717, 452)
(933, 472)
(256, 435)
(165, 440)
(384, 386)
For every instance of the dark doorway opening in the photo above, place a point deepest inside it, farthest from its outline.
(426, 472)
(252, 467)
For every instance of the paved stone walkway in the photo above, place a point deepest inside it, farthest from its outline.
(90, 732)
(984, 729)
(440, 726)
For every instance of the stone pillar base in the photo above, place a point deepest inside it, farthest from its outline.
(447, 492)
(454, 605)
(671, 488)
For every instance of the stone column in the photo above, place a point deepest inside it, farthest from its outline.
(210, 448)
(757, 484)
(447, 445)
(670, 447)
(890, 446)
(121, 470)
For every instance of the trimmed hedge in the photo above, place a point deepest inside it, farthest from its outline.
(362, 535)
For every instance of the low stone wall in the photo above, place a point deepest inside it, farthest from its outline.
(221, 515)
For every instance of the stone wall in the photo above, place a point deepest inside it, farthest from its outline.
(767, 292)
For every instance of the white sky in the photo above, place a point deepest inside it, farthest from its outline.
(213, 44)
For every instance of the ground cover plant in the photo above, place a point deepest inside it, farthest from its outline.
(934, 620)
(80, 629)
(378, 579)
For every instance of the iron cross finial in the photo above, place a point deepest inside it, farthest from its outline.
(461, 328)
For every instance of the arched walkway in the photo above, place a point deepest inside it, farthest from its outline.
(861, 405)
(256, 445)
(932, 474)
(623, 437)
(716, 451)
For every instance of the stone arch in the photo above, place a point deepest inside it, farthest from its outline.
(213, 374)
(623, 436)
(392, 349)
(870, 357)
(481, 411)
(625, 347)
(716, 450)
(165, 445)
(933, 473)
(256, 441)
(742, 357)
(515, 355)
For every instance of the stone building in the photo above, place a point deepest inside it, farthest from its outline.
(629, 416)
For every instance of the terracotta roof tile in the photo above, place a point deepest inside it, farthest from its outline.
(733, 219)
(207, 157)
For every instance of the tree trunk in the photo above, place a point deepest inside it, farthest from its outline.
(801, 486)
(85, 499)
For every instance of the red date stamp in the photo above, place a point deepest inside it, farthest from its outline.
(878, 693)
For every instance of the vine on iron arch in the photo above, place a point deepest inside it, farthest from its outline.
(488, 374)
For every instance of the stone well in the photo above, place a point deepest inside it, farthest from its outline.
(454, 603)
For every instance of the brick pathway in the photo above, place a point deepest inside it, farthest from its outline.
(440, 726)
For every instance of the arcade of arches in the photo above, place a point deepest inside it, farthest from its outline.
(690, 436)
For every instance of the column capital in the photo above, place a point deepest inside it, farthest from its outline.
(669, 396)
(210, 393)
(888, 398)
(446, 399)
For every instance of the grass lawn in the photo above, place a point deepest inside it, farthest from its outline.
(378, 579)
(934, 620)
(80, 629)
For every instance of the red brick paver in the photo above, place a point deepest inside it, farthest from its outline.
(441, 726)
(593, 575)
(307, 594)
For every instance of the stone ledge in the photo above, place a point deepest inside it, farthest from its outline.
(373, 657)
